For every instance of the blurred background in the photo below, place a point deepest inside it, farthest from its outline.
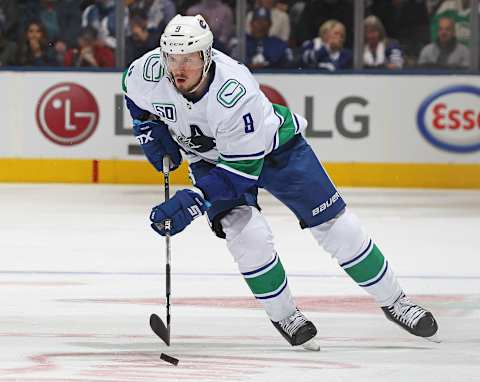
(390, 87)
(387, 34)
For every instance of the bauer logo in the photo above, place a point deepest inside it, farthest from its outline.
(67, 114)
(322, 207)
(450, 119)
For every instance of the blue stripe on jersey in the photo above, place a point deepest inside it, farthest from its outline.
(229, 156)
(274, 295)
(297, 125)
(261, 268)
(378, 278)
(359, 256)
(275, 141)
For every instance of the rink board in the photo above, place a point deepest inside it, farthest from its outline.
(369, 130)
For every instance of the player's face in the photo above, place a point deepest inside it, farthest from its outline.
(186, 70)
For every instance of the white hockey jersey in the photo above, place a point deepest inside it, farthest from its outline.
(233, 125)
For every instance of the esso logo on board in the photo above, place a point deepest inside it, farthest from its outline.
(67, 114)
(450, 119)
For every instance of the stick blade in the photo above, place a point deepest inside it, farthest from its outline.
(160, 329)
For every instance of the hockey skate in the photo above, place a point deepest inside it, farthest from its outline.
(297, 330)
(413, 318)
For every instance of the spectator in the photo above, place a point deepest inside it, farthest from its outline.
(158, 13)
(311, 47)
(406, 21)
(283, 5)
(69, 16)
(49, 18)
(445, 51)
(459, 12)
(141, 39)
(264, 51)
(380, 51)
(332, 55)
(183, 5)
(90, 52)
(61, 48)
(218, 16)
(294, 12)
(7, 48)
(70, 21)
(280, 24)
(34, 48)
(9, 17)
(101, 16)
(316, 12)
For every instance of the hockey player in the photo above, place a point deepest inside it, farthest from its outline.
(189, 96)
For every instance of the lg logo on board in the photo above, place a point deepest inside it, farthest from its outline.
(67, 114)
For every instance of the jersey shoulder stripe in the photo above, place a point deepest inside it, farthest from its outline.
(234, 157)
(247, 168)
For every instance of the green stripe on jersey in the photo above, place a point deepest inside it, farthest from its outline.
(368, 268)
(252, 167)
(267, 282)
(287, 129)
(124, 77)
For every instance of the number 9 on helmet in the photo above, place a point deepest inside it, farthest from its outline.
(187, 34)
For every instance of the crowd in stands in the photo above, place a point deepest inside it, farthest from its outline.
(313, 34)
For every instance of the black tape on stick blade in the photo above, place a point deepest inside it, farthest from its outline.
(169, 359)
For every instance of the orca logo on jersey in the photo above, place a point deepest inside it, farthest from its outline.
(198, 141)
(322, 207)
(230, 93)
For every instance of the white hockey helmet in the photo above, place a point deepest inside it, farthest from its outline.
(187, 34)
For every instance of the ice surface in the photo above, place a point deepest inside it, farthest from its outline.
(81, 272)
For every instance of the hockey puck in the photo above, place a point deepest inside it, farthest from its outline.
(169, 359)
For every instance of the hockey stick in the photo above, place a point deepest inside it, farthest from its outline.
(156, 323)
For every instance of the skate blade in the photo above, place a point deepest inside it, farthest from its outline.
(435, 338)
(312, 345)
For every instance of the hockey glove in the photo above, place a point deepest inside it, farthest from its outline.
(181, 209)
(157, 142)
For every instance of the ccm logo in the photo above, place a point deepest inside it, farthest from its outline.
(450, 119)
